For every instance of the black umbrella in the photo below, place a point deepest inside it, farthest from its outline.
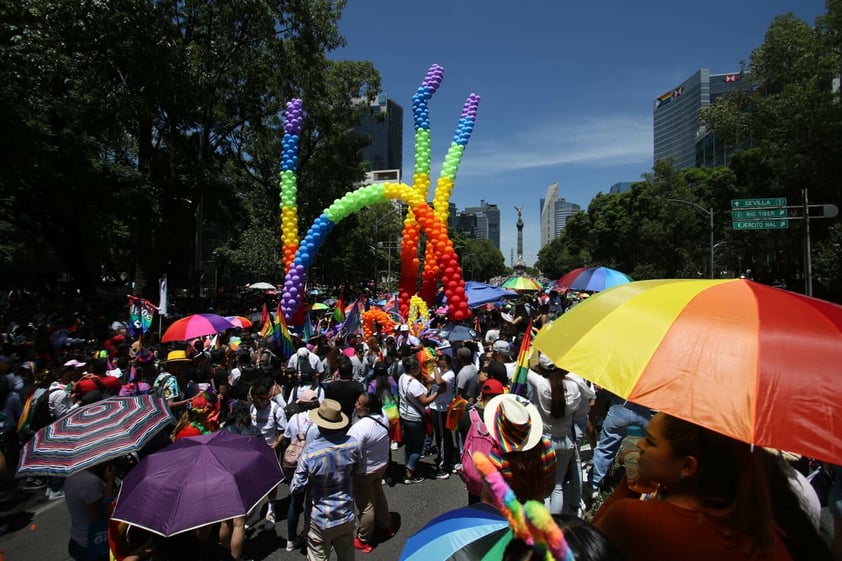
(457, 332)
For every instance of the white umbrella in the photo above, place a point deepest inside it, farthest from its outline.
(262, 286)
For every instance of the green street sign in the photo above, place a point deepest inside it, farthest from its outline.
(765, 202)
(760, 225)
(755, 214)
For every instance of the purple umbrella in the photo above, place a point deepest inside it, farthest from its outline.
(198, 481)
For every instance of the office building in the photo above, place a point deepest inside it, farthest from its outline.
(678, 134)
(382, 123)
(555, 211)
(621, 187)
(480, 222)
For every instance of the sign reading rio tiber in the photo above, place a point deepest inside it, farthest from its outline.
(759, 214)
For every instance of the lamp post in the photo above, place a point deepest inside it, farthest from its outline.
(709, 212)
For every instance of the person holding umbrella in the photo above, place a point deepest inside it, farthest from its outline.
(713, 501)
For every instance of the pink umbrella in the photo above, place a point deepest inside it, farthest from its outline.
(239, 321)
(197, 325)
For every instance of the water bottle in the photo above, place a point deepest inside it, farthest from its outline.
(629, 456)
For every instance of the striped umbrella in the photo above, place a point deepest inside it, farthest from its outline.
(239, 321)
(593, 279)
(756, 363)
(474, 532)
(94, 434)
(521, 283)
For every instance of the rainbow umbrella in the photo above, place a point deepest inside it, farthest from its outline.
(593, 279)
(196, 325)
(741, 358)
(239, 321)
(521, 283)
(474, 532)
(94, 434)
(319, 306)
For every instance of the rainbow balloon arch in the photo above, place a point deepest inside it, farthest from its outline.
(441, 263)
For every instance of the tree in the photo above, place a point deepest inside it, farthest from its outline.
(137, 131)
(480, 260)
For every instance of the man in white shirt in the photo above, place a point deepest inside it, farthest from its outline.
(304, 360)
(269, 418)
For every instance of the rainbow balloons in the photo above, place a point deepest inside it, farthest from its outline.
(441, 261)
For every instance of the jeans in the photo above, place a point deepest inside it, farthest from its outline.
(565, 499)
(614, 429)
(444, 441)
(296, 507)
(413, 442)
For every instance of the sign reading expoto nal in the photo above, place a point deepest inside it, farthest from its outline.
(768, 213)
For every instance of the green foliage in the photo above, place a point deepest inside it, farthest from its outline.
(131, 125)
(481, 260)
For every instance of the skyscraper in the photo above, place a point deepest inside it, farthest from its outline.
(383, 124)
(555, 212)
(677, 131)
(480, 222)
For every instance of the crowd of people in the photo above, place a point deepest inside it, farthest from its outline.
(338, 410)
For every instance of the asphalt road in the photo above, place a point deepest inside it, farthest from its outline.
(44, 538)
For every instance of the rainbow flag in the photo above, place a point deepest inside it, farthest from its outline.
(281, 335)
(522, 366)
(267, 329)
(339, 311)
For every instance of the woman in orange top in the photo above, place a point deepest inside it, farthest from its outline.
(714, 500)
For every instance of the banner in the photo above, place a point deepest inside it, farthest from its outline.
(147, 314)
(141, 313)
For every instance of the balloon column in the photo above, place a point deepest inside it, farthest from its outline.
(289, 181)
(444, 186)
(441, 258)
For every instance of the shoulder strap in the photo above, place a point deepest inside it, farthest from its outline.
(379, 423)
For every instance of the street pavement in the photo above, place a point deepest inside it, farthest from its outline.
(44, 538)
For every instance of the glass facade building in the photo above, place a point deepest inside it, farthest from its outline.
(678, 134)
(555, 212)
(382, 123)
(480, 222)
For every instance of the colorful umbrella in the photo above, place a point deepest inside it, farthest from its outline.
(479, 293)
(319, 306)
(239, 321)
(470, 533)
(747, 360)
(197, 481)
(94, 434)
(197, 325)
(593, 279)
(521, 283)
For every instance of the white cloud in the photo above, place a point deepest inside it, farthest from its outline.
(603, 140)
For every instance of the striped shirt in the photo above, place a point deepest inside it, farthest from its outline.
(328, 465)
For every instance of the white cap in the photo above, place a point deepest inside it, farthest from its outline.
(404, 327)
(303, 352)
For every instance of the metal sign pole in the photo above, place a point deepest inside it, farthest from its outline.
(808, 254)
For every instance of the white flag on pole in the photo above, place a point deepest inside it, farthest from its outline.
(162, 290)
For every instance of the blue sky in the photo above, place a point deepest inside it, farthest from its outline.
(567, 87)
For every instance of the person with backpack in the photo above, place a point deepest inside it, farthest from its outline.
(372, 432)
(414, 398)
(475, 437)
(296, 435)
(168, 384)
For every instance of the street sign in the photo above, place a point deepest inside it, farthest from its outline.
(755, 214)
(760, 224)
(763, 202)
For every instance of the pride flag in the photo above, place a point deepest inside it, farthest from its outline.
(339, 311)
(267, 329)
(522, 366)
(281, 335)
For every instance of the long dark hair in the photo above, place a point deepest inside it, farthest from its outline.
(586, 542)
(381, 380)
(730, 483)
(558, 404)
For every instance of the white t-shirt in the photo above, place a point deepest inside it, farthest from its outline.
(270, 421)
(233, 376)
(543, 394)
(80, 490)
(312, 358)
(442, 401)
(410, 389)
(298, 390)
(300, 422)
(374, 441)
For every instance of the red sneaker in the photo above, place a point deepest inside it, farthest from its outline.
(362, 546)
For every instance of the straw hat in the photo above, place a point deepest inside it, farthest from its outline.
(329, 415)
